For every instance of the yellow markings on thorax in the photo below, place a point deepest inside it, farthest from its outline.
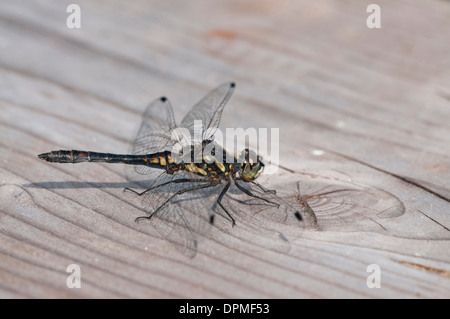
(195, 169)
(230, 169)
(220, 166)
(190, 167)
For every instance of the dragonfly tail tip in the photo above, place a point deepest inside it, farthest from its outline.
(44, 156)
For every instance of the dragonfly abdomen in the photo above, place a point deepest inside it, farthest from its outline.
(157, 160)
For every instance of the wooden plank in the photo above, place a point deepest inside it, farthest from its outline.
(360, 110)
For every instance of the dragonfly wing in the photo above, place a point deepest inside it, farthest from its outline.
(155, 132)
(175, 212)
(209, 110)
(154, 135)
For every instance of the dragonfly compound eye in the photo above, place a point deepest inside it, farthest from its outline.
(251, 167)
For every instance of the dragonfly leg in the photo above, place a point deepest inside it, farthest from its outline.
(246, 191)
(176, 194)
(180, 180)
(219, 201)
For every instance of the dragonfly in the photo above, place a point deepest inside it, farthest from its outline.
(192, 179)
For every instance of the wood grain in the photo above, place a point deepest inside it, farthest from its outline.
(361, 110)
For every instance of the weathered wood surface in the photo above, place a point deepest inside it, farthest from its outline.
(361, 108)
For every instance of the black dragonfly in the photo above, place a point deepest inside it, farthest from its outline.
(188, 193)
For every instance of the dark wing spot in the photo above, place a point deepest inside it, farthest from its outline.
(163, 99)
(232, 84)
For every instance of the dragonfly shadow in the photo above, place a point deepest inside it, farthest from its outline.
(76, 185)
(337, 204)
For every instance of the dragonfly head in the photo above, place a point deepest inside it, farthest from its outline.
(251, 166)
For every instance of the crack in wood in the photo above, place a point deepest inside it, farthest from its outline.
(405, 179)
(446, 228)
